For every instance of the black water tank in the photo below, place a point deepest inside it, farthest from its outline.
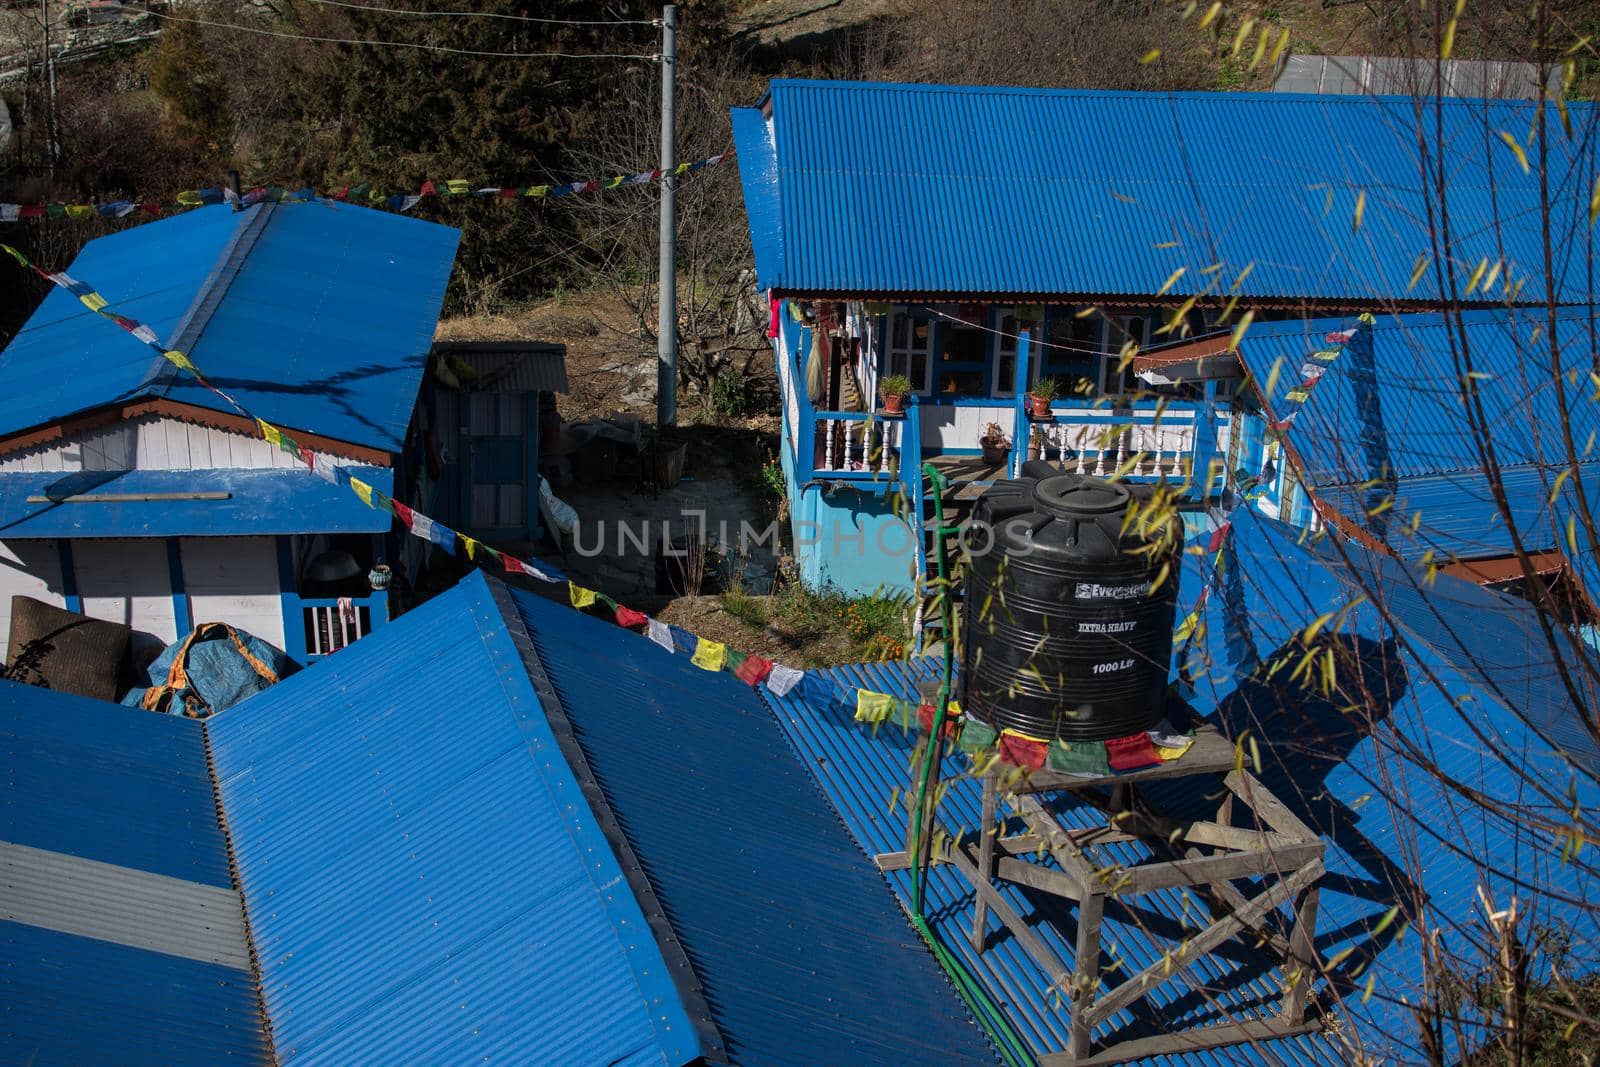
(1065, 635)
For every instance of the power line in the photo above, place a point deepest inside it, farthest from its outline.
(488, 15)
(404, 44)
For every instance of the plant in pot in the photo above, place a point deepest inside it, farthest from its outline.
(1044, 391)
(894, 388)
(995, 444)
(1036, 443)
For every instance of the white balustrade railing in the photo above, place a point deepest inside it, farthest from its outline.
(331, 626)
(1139, 445)
(860, 444)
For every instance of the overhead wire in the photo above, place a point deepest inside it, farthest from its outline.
(261, 31)
(488, 15)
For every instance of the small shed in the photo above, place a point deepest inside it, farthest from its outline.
(491, 422)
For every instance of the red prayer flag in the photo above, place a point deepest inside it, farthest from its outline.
(512, 564)
(1218, 536)
(1022, 752)
(1131, 753)
(628, 618)
(428, 189)
(754, 670)
(30, 211)
(403, 513)
(509, 194)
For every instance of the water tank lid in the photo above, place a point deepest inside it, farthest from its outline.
(1071, 497)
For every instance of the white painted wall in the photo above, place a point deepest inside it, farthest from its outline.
(946, 427)
(149, 442)
(234, 580)
(126, 580)
(27, 568)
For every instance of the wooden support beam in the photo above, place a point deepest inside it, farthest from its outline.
(964, 860)
(1184, 1041)
(1260, 800)
(988, 830)
(1034, 876)
(1177, 831)
(1086, 974)
(1208, 870)
(1302, 960)
(1164, 970)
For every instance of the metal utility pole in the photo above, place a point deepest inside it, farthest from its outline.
(667, 296)
(52, 120)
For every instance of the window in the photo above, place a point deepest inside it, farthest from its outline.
(963, 360)
(1004, 363)
(1115, 379)
(1069, 354)
(910, 350)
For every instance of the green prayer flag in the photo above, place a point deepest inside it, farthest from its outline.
(1078, 757)
(976, 736)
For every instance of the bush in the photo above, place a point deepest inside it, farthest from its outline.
(732, 395)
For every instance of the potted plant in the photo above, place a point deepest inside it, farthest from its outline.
(894, 388)
(995, 444)
(1036, 443)
(1044, 391)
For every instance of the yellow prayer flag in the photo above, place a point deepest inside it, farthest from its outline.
(92, 301)
(471, 546)
(1170, 753)
(873, 707)
(537, 190)
(181, 361)
(581, 597)
(458, 186)
(189, 197)
(363, 490)
(709, 655)
(271, 433)
(79, 211)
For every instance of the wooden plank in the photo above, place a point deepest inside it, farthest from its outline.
(1203, 833)
(1184, 1041)
(1044, 879)
(1164, 970)
(988, 830)
(1260, 800)
(1066, 852)
(1030, 941)
(1302, 961)
(1086, 974)
(1211, 869)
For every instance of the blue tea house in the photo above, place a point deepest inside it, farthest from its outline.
(978, 240)
(129, 492)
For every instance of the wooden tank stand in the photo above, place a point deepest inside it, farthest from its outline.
(1207, 855)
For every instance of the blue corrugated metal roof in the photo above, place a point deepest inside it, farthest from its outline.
(263, 501)
(1358, 791)
(894, 189)
(119, 786)
(800, 950)
(316, 317)
(422, 875)
(92, 779)
(1397, 406)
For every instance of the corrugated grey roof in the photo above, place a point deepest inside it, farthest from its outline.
(510, 366)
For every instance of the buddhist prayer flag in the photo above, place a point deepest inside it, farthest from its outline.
(628, 618)
(709, 655)
(1078, 757)
(874, 707)
(581, 597)
(660, 633)
(362, 490)
(406, 516)
(754, 670)
(781, 679)
(1131, 753)
(1023, 751)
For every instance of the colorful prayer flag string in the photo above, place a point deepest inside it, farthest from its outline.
(706, 654)
(1314, 368)
(360, 193)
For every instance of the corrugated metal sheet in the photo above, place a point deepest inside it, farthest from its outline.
(91, 786)
(1398, 75)
(96, 780)
(1458, 683)
(262, 501)
(1401, 409)
(67, 1001)
(87, 898)
(801, 952)
(918, 189)
(1415, 407)
(510, 366)
(423, 878)
(322, 323)
(1372, 807)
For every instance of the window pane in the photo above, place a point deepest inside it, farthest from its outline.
(1006, 374)
(919, 371)
(900, 331)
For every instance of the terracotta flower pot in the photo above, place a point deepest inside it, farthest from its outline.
(993, 454)
(894, 404)
(1038, 407)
